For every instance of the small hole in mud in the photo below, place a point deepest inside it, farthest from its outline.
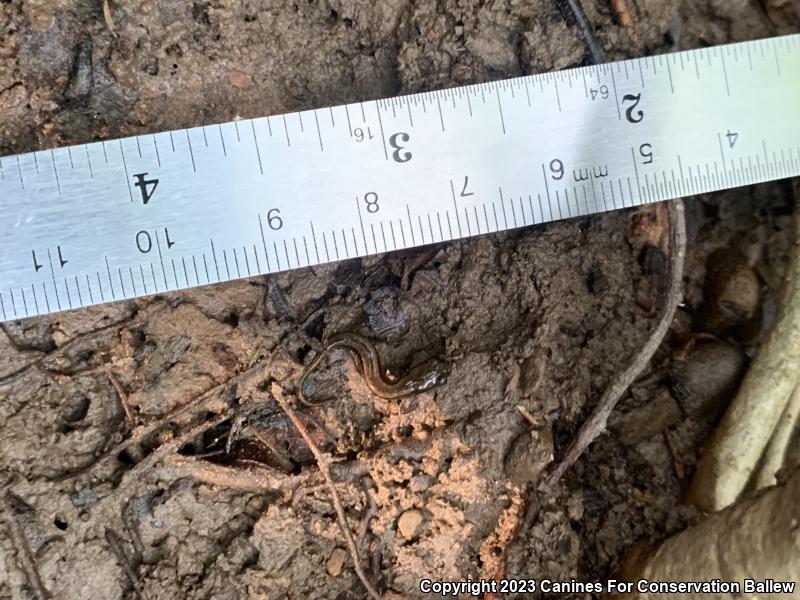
(347, 22)
(60, 523)
(316, 327)
(76, 409)
(126, 458)
(231, 319)
(303, 351)
(264, 385)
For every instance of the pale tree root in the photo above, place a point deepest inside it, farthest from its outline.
(324, 464)
(595, 425)
(757, 538)
(730, 460)
(776, 455)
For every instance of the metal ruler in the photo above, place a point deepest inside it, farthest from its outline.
(149, 214)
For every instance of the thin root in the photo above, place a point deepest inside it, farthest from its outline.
(123, 400)
(115, 543)
(324, 462)
(596, 423)
(251, 478)
(24, 554)
(108, 17)
(586, 30)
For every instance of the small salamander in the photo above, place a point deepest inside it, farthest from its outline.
(418, 379)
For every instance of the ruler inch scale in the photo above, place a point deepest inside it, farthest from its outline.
(149, 214)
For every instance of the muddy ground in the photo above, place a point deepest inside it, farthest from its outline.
(444, 485)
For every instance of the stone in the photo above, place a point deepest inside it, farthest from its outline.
(409, 523)
(335, 562)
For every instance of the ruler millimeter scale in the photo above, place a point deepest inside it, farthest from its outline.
(148, 214)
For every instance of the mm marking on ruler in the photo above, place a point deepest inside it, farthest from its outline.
(434, 166)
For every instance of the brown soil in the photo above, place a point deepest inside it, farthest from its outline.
(446, 485)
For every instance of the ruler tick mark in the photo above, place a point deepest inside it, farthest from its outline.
(235, 262)
(725, 73)
(344, 239)
(669, 73)
(335, 245)
(380, 123)
(500, 108)
(161, 260)
(319, 132)
(502, 206)
(410, 225)
(225, 262)
(314, 239)
(191, 150)
(21, 181)
(374, 238)
(125, 166)
(221, 139)
(214, 256)
(258, 151)
(441, 116)
(455, 208)
(263, 241)
(558, 96)
(69, 296)
(78, 287)
(55, 170)
(158, 155)
(286, 130)
(325, 246)
(616, 95)
(53, 275)
(361, 222)
(121, 282)
(110, 282)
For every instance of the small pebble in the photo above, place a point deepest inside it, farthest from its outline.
(420, 483)
(335, 562)
(731, 294)
(529, 455)
(84, 497)
(239, 80)
(706, 378)
(409, 523)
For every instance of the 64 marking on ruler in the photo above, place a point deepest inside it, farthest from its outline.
(121, 219)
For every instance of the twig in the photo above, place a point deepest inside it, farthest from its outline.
(624, 18)
(323, 462)
(596, 424)
(123, 400)
(586, 30)
(115, 543)
(369, 514)
(108, 17)
(251, 479)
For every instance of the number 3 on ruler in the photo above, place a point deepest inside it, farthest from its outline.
(404, 137)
